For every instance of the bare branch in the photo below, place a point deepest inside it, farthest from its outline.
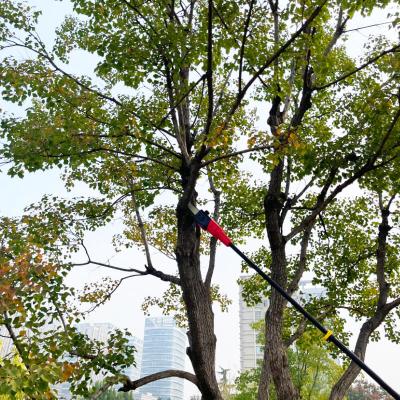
(132, 385)
(148, 270)
(369, 26)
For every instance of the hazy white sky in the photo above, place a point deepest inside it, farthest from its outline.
(124, 308)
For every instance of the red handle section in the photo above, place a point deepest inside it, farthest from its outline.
(218, 233)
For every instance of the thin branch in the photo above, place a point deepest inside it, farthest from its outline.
(132, 385)
(101, 390)
(361, 67)
(237, 41)
(47, 57)
(301, 328)
(235, 153)
(111, 151)
(213, 241)
(301, 266)
(245, 30)
(111, 292)
(274, 10)
(367, 167)
(142, 231)
(15, 341)
(100, 264)
(184, 96)
(210, 87)
(180, 138)
(306, 187)
(369, 26)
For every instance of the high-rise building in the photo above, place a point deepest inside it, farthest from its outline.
(250, 350)
(133, 372)
(164, 347)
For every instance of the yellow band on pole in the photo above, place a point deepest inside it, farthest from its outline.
(327, 335)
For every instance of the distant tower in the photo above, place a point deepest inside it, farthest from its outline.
(164, 347)
(250, 350)
(133, 372)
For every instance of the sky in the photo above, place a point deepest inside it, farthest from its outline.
(124, 309)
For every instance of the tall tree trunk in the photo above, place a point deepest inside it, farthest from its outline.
(202, 340)
(276, 352)
(343, 384)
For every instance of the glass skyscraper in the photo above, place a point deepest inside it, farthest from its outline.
(164, 347)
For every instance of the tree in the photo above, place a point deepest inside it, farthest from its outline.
(362, 390)
(171, 104)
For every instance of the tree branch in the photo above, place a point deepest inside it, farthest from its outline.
(234, 154)
(361, 67)
(271, 59)
(132, 385)
(148, 271)
(15, 341)
(210, 87)
(213, 241)
(241, 53)
(368, 166)
(341, 23)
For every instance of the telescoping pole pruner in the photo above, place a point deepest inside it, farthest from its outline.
(207, 223)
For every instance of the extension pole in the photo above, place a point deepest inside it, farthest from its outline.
(208, 224)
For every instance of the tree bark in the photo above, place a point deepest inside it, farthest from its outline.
(342, 386)
(275, 357)
(196, 295)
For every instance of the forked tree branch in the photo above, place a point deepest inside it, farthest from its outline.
(271, 60)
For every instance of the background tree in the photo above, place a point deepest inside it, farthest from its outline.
(109, 393)
(363, 390)
(172, 104)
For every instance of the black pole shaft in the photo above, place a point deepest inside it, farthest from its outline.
(306, 314)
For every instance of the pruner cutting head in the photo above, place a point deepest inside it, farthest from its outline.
(208, 224)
